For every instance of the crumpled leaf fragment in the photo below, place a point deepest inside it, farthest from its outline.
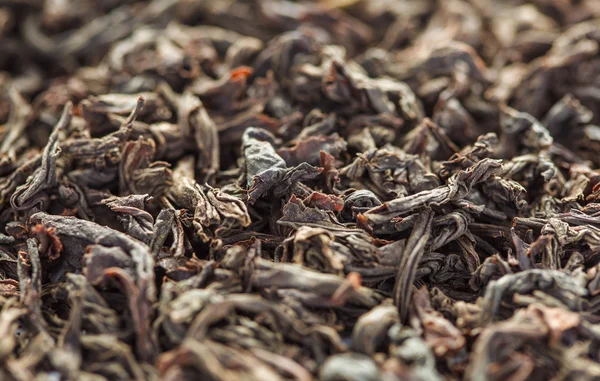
(31, 195)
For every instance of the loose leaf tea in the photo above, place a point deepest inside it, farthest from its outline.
(278, 190)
